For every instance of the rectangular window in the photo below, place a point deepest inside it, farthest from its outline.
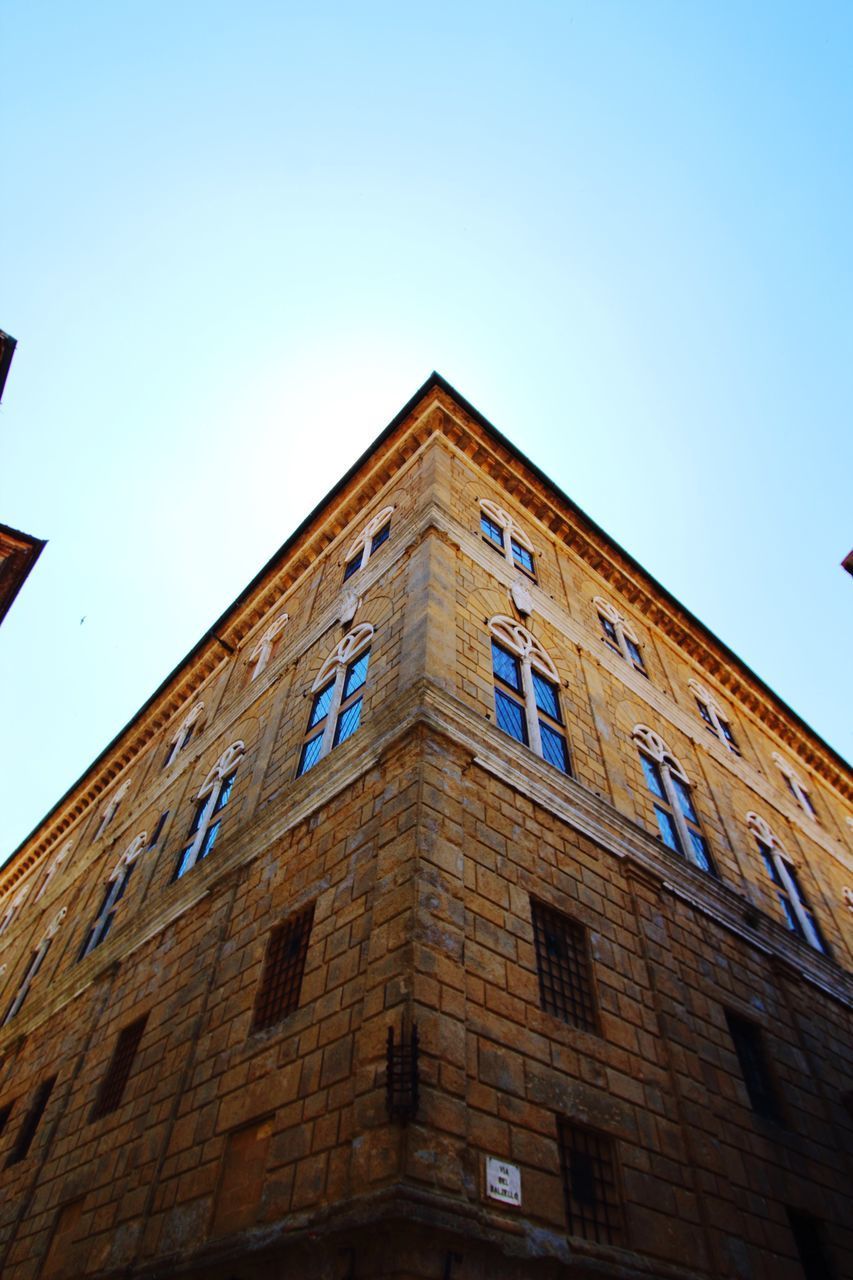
(562, 958)
(749, 1047)
(284, 965)
(782, 894)
(636, 656)
(509, 709)
(492, 532)
(353, 566)
(810, 1247)
(806, 909)
(588, 1167)
(522, 557)
(158, 830)
(609, 633)
(382, 536)
(31, 1122)
(118, 1072)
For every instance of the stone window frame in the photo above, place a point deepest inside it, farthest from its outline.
(13, 908)
(334, 672)
(111, 808)
(716, 720)
(116, 885)
(514, 542)
(798, 914)
(209, 803)
(55, 866)
(796, 786)
(264, 649)
(619, 635)
(183, 733)
(372, 536)
(511, 635)
(670, 771)
(36, 962)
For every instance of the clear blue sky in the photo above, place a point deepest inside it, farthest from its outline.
(237, 238)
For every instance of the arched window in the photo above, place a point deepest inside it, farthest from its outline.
(527, 701)
(375, 532)
(183, 734)
(13, 908)
(36, 962)
(500, 531)
(109, 810)
(213, 796)
(338, 691)
(114, 891)
(676, 816)
(55, 866)
(263, 650)
(619, 634)
(798, 915)
(795, 785)
(716, 720)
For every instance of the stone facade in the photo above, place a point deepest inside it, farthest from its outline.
(626, 1065)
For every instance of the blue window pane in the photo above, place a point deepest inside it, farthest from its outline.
(123, 883)
(609, 630)
(772, 869)
(380, 537)
(209, 840)
(521, 555)
(492, 531)
(635, 654)
(653, 778)
(506, 667)
(790, 917)
(356, 674)
(352, 566)
(184, 863)
(348, 722)
(320, 705)
(729, 736)
(684, 800)
(105, 928)
(554, 747)
(546, 697)
(666, 826)
(201, 805)
(310, 754)
(224, 793)
(705, 714)
(510, 716)
(701, 855)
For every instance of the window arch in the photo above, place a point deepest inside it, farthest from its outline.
(263, 650)
(500, 531)
(799, 916)
(109, 810)
(13, 908)
(619, 634)
(677, 819)
(527, 701)
(211, 799)
(375, 532)
(715, 718)
(338, 691)
(795, 785)
(183, 733)
(54, 867)
(113, 893)
(36, 962)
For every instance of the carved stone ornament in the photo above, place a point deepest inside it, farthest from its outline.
(521, 597)
(612, 614)
(227, 761)
(520, 641)
(349, 606)
(373, 526)
(653, 745)
(352, 644)
(131, 853)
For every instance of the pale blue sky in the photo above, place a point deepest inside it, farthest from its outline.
(237, 238)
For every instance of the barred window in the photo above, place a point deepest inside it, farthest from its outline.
(562, 959)
(588, 1167)
(749, 1047)
(118, 1072)
(31, 1122)
(284, 965)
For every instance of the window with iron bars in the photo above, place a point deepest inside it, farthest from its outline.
(284, 965)
(590, 1184)
(562, 960)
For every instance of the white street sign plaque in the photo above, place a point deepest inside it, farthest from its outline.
(503, 1181)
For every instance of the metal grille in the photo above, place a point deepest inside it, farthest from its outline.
(753, 1064)
(31, 1122)
(562, 958)
(588, 1167)
(118, 1072)
(402, 1075)
(284, 965)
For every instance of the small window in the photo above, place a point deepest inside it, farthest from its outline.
(796, 786)
(284, 965)
(619, 635)
(527, 700)
(588, 1166)
(715, 719)
(562, 959)
(375, 532)
(338, 694)
(749, 1047)
(675, 813)
(158, 830)
(500, 531)
(118, 1072)
(31, 1122)
(811, 1251)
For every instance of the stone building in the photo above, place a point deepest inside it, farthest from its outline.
(459, 908)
